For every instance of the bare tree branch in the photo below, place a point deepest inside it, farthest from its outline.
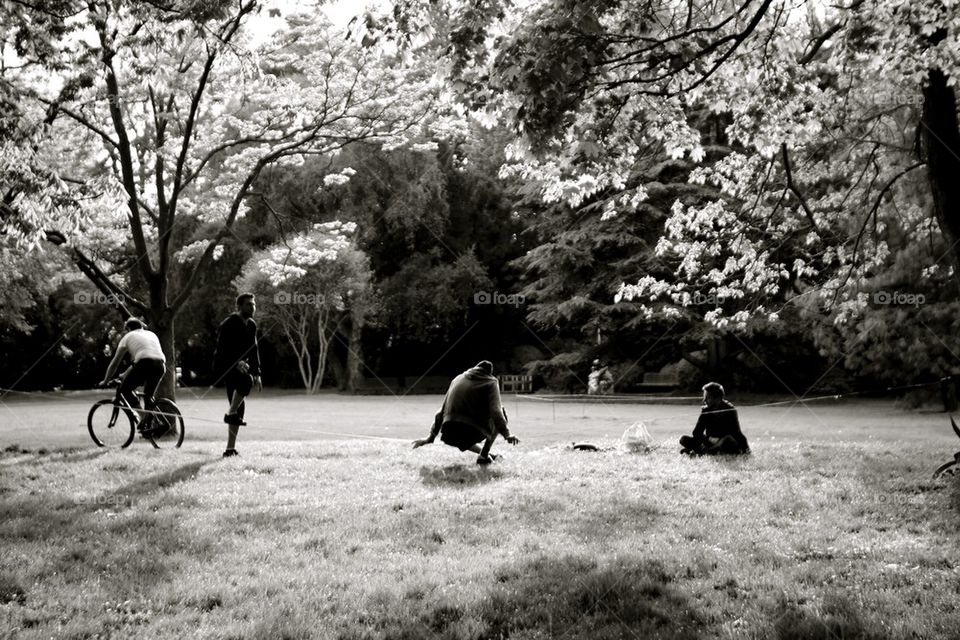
(816, 45)
(791, 185)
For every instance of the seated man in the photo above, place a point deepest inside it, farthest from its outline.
(600, 380)
(471, 414)
(718, 428)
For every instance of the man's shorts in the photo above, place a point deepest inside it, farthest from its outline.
(146, 372)
(461, 435)
(237, 382)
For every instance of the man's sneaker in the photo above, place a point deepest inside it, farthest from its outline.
(233, 419)
(486, 459)
(156, 432)
(146, 431)
(229, 453)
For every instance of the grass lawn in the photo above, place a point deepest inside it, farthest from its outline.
(831, 529)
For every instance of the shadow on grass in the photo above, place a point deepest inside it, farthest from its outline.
(100, 540)
(835, 617)
(72, 454)
(571, 597)
(81, 455)
(151, 484)
(574, 597)
(36, 517)
(458, 475)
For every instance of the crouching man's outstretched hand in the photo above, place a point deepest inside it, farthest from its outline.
(421, 442)
(514, 440)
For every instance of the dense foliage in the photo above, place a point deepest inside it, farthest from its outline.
(712, 189)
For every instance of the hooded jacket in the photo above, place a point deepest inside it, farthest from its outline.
(473, 398)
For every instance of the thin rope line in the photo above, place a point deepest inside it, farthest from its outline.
(833, 396)
(197, 418)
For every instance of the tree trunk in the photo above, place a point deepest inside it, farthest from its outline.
(338, 368)
(323, 341)
(941, 147)
(321, 369)
(354, 353)
(716, 356)
(293, 330)
(306, 366)
(163, 325)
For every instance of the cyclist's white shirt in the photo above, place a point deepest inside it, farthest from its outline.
(141, 344)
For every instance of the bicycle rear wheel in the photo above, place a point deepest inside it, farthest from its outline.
(110, 425)
(167, 423)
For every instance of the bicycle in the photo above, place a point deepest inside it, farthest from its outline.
(161, 424)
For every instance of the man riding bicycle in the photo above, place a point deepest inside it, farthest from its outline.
(149, 363)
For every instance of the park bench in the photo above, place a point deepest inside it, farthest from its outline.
(516, 383)
(388, 385)
(660, 380)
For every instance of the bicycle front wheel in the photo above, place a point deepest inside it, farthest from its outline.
(167, 424)
(110, 425)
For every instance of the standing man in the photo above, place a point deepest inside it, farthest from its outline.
(718, 428)
(237, 363)
(471, 414)
(149, 364)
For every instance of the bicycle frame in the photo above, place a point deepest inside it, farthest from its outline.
(120, 402)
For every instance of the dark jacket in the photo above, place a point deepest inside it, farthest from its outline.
(717, 423)
(236, 341)
(473, 398)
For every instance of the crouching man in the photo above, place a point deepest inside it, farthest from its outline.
(718, 428)
(471, 414)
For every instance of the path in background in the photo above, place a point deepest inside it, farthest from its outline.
(57, 420)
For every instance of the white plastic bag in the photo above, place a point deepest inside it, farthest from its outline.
(637, 439)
